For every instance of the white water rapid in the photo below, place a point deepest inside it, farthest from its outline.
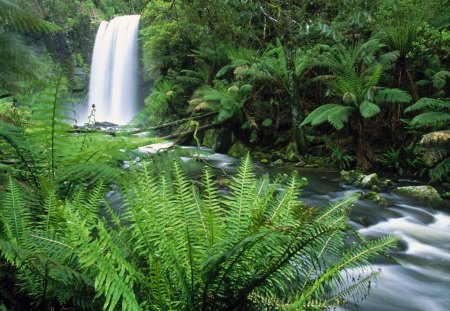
(114, 70)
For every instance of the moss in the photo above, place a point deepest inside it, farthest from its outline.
(426, 192)
(375, 197)
(238, 150)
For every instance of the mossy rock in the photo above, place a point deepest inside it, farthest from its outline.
(291, 152)
(367, 181)
(238, 150)
(352, 176)
(278, 162)
(376, 198)
(425, 193)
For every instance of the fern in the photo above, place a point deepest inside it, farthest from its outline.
(386, 95)
(335, 114)
(368, 109)
(17, 18)
(428, 103)
(173, 245)
(437, 112)
(441, 171)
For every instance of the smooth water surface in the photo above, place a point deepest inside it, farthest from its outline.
(420, 281)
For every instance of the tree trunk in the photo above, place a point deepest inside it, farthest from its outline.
(287, 42)
(365, 156)
(296, 114)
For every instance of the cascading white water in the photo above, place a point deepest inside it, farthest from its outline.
(114, 77)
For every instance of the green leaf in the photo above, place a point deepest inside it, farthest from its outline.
(267, 122)
(439, 79)
(368, 109)
(392, 96)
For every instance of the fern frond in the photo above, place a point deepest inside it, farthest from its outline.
(431, 118)
(439, 79)
(317, 113)
(351, 259)
(386, 95)
(368, 109)
(339, 115)
(241, 197)
(16, 219)
(429, 103)
(212, 210)
(441, 171)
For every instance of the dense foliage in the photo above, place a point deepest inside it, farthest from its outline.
(272, 69)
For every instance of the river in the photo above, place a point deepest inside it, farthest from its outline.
(420, 280)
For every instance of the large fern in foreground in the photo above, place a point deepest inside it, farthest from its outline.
(200, 249)
(173, 245)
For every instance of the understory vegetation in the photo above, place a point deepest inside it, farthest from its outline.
(307, 77)
(87, 223)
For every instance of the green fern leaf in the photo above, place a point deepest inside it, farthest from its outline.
(317, 113)
(441, 171)
(386, 95)
(368, 109)
(431, 118)
(439, 79)
(429, 103)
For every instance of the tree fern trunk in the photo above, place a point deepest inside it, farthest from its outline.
(365, 156)
(296, 115)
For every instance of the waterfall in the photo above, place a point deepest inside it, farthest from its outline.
(114, 70)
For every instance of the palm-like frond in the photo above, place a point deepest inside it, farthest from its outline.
(429, 103)
(368, 109)
(335, 114)
(387, 95)
(437, 112)
(431, 118)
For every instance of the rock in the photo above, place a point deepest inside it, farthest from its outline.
(352, 176)
(238, 150)
(217, 139)
(278, 162)
(291, 152)
(375, 197)
(311, 165)
(385, 182)
(426, 192)
(368, 181)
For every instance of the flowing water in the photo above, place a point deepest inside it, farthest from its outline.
(114, 70)
(421, 279)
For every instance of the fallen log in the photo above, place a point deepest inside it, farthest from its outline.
(152, 128)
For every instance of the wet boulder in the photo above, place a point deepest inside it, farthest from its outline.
(358, 179)
(376, 198)
(424, 192)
